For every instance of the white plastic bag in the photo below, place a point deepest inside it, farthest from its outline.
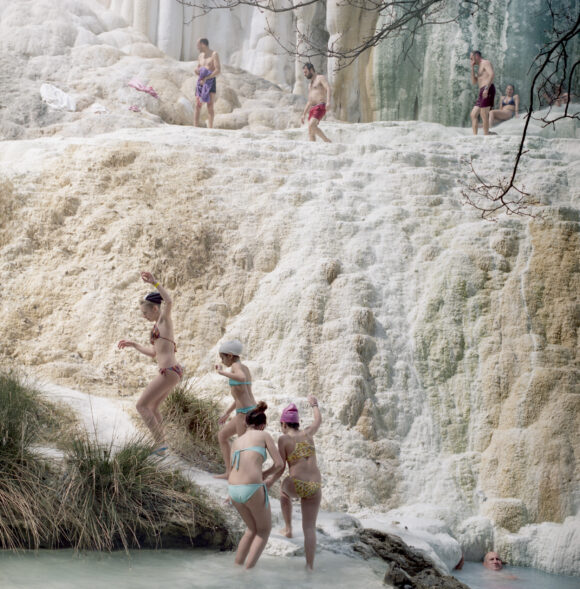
(56, 98)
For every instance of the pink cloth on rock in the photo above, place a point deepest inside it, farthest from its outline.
(142, 88)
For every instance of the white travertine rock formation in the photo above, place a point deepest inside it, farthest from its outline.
(352, 85)
(92, 56)
(427, 80)
(444, 350)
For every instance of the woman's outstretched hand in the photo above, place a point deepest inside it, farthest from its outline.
(148, 277)
(125, 343)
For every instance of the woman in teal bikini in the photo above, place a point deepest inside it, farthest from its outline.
(297, 448)
(240, 381)
(248, 485)
(162, 349)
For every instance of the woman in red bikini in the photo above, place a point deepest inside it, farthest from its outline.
(296, 447)
(163, 349)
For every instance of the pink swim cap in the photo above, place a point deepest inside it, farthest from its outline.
(290, 414)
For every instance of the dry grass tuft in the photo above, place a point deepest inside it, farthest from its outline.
(192, 427)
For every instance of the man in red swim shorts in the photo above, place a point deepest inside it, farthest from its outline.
(484, 79)
(318, 102)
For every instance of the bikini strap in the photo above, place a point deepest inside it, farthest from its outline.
(236, 458)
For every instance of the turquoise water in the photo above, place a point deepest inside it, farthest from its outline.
(477, 577)
(177, 569)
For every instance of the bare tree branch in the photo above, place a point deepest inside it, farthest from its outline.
(554, 70)
(489, 198)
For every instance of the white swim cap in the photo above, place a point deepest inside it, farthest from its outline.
(233, 347)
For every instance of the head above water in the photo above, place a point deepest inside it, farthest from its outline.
(257, 417)
(308, 70)
(510, 90)
(492, 561)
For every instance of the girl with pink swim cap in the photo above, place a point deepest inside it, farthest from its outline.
(296, 447)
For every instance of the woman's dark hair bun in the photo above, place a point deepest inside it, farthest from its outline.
(257, 416)
(154, 297)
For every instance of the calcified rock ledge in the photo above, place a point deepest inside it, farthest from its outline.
(444, 350)
(92, 55)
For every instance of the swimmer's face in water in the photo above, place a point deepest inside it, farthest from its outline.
(492, 561)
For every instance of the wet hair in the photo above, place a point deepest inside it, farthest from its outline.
(257, 417)
(153, 298)
(309, 66)
(514, 88)
(476, 53)
(204, 42)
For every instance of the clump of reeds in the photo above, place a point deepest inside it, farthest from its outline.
(192, 426)
(124, 499)
(97, 497)
(24, 494)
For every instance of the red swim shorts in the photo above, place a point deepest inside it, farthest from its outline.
(317, 111)
(486, 102)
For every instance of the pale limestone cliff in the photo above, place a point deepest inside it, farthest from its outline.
(444, 350)
(427, 79)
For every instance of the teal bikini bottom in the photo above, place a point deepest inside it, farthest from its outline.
(243, 493)
(246, 409)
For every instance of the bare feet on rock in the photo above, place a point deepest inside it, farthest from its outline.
(286, 532)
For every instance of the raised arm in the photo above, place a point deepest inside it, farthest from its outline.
(315, 425)
(150, 279)
(473, 74)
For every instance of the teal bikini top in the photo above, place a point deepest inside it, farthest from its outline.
(236, 457)
(234, 383)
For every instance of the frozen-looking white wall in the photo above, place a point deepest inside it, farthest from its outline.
(432, 83)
